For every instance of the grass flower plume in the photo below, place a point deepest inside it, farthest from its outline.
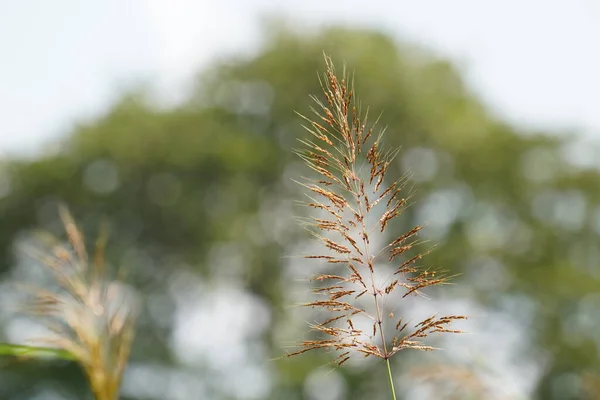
(355, 204)
(90, 315)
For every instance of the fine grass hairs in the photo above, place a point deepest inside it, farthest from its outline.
(355, 203)
(90, 317)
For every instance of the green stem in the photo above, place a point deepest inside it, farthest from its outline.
(391, 379)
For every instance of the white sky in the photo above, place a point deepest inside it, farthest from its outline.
(535, 62)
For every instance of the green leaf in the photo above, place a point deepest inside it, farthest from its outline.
(22, 351)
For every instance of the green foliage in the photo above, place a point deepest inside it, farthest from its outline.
(33, 352)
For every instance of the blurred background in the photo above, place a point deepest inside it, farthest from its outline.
(174, 121)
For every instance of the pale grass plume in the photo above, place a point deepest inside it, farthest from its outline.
(90, 315)
(453, 382)
(591, 384)
(354, 204)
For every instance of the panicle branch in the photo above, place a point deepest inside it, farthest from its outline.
(354, 205)
(90, 316)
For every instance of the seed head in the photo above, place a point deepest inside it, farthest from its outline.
(90, 316)
(356, 203)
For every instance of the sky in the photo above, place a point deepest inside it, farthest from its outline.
(534, 62)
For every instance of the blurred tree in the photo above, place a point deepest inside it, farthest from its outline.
(509, 211)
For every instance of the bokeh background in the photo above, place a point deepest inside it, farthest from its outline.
(174, 121)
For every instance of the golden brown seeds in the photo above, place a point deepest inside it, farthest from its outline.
(82, 315)
(352, 165)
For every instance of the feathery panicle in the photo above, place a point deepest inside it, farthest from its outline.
(355, 203)
(89, 316)
(454, 381)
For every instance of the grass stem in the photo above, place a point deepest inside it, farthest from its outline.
(389, 368)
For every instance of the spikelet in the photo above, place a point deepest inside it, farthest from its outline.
(355, 202)
(90, 316)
